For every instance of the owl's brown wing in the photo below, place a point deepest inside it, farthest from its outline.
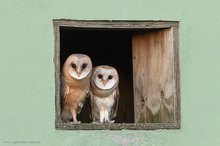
(83, 102)
(64, 91)
(115, 106)
(62, 86)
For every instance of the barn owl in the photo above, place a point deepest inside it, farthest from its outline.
(104, 94)
(76, 75)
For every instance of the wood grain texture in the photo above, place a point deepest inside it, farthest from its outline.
(154, 79)
(177, 76)
(104, 24)
(117, 126)
(57, 73)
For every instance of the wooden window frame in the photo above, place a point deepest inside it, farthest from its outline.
(116, 25)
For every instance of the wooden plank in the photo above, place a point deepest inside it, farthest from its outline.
(117, 126)
(57, 73)
(115, 24)
(177, 75)
(154, 80)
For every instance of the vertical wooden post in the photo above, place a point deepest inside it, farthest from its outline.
(57, 74)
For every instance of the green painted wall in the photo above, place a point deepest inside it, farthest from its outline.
(27, 72)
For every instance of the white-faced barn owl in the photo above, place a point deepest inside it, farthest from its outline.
(76, 74)
(104, 94)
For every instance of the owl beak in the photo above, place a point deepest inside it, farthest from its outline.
(104, 83)
(78, 74)
(78, 71)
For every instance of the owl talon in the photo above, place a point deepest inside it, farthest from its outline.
(75, 122)
(112, 121)
(106, 121)
(95, 122)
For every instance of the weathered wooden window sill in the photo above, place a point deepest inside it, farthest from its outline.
(117, 126)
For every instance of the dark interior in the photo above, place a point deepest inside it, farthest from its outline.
(105, 47)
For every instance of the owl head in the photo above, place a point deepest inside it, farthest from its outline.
(78, 66)
(105, 77)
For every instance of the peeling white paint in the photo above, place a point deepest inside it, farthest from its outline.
(124, 140)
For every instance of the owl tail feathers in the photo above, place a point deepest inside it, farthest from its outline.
(66, 115)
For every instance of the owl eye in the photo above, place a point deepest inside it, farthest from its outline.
(73, 65)
(100, 76)
(84, 65)
(110, 77)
